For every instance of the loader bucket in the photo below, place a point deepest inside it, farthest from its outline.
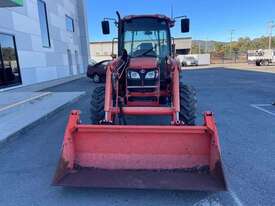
(155, 157)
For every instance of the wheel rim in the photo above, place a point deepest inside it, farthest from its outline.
(261, 63)
(96, 78)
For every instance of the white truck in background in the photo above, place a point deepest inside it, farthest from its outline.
(261, 57)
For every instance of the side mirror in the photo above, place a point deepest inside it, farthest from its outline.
(185, 25)
(105, 27)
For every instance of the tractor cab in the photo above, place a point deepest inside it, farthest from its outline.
(146, 36)
(145, 42)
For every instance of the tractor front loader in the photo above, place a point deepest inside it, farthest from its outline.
(143, 80)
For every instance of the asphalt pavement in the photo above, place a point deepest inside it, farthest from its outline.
(246, 135)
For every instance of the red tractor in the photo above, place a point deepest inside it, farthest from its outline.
(143, 80)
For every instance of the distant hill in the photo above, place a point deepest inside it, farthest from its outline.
(210, 44)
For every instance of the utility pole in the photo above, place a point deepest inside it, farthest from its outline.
(271, 25)
(231, 39)
(172, 11)
(206, 46)
(199, 47)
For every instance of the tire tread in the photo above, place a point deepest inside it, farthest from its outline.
(97, 104)
(188, 104)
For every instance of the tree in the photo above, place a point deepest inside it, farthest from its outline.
(219, 48)
(242, 45)
(195, 49)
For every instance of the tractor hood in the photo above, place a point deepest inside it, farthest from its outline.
(143, 62)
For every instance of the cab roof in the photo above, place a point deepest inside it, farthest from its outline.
(170, 22)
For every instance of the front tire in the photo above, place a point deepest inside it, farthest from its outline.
(188, 104)
(97, 104)
(266, 62)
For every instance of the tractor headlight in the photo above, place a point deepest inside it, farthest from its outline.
(133, 75)
(151, 75)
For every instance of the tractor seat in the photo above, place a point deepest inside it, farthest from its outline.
(144, 47)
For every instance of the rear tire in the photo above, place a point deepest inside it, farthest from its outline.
(188, 104)
(264, 63)
(97, 104)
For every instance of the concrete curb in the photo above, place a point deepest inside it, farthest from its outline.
(42, 119)
(43, 85)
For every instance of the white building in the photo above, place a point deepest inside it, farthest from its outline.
(103, 50)
(42, 40)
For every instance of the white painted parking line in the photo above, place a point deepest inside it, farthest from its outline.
(260, 107)
(235, 198)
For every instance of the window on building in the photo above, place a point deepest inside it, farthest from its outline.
(42, 11)
(9, 67)
(69, 24)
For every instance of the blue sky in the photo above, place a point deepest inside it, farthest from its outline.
(210, 19)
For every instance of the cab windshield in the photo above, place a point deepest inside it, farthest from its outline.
(146, 37)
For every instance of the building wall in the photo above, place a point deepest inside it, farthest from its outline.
(38, 64)
(103, 50)
(183, 43)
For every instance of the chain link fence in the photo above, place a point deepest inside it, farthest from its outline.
(221, 58)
